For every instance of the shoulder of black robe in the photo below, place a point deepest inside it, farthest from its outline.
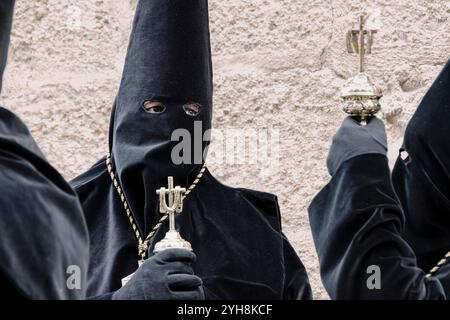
(357, 223)
(422, 180)
(42, 229)
(235, 233)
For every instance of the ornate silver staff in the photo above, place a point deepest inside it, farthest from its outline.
(171, 202)
(361, 97)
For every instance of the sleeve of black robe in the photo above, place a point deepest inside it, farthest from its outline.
(296, 282)
(43, 235)
(356, 222)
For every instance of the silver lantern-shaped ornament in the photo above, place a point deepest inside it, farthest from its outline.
(361, 98)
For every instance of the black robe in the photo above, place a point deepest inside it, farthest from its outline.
(422, 180)
(235, 233)
(6, 15)
(44, 244)
(42, 229)
(400, 222)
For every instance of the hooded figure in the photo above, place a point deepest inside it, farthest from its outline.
(44, 246)
(383, 236)
(421, 176)
(235, 233)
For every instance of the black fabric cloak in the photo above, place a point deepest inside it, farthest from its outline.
(400, 222)
(422, 179)
(44, 246)
(6, 15)
(43, 235)
(235, 233)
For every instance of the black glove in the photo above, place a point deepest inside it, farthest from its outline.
(164, 276)
(354, 139)
(6, 12)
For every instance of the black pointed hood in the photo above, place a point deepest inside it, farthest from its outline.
(6, 13)
(168, 62)
(422, 174)
(169, 53)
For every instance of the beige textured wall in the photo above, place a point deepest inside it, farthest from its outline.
(278, 64)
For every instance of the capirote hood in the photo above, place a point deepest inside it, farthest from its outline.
(169, 61)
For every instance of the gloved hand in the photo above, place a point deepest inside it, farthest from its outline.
(354, 139)
(6, 12)
(164, 276)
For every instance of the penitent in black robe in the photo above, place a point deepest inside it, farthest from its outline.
(235, 233)
(43, 235)
(44, 244)
(400, 222)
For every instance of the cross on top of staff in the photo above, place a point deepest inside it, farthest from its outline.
(356, 41)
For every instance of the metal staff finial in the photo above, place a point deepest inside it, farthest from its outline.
(358, 43)
(361, 97)
(171, 202)
(361, 47)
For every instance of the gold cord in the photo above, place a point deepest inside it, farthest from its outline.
(435, 269)
(143, 244)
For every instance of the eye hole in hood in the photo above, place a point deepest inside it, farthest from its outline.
(192, 109)
(152, 106)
